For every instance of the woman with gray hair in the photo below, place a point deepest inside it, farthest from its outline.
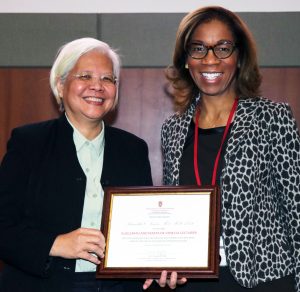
(53, 174)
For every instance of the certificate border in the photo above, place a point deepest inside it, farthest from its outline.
(209, 272)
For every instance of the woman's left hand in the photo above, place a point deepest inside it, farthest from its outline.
(163, 281)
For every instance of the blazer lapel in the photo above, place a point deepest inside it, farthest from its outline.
(71, 179)
(243, 120)
(67, 156)
(108, 159)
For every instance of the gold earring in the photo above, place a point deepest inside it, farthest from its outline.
(186, 66)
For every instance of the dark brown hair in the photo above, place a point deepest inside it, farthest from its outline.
(248, 76)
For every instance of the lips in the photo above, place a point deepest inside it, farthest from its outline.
(211, 76)
(94, 99)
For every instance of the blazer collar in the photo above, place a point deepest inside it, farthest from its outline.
(109, 158)
(242, 122)
(68, 157)
(66, 150)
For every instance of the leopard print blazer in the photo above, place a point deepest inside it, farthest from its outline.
(260, 188)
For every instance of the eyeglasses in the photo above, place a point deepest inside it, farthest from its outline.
(221, 50)
(88, 77)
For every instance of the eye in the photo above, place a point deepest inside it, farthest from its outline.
(198, 48)
(225, 48)
(108, 79)
(84, 76)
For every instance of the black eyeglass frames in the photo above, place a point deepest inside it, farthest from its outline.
(221, 50)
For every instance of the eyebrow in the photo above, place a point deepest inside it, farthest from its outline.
(92, 73)
(218, 42)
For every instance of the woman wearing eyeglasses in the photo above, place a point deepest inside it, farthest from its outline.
(226, 134)
(53, 175)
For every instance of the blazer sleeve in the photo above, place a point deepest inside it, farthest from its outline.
(286, 164)
(22, 243)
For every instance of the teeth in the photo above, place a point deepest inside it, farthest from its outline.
(91, 98)
(211, 76)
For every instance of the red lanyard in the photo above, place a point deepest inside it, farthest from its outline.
(196, 168)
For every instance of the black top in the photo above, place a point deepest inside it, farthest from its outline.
(209, 142)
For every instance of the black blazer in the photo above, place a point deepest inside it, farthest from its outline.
(42, 188)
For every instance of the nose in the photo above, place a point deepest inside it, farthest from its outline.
(210, 57)
(96, 84)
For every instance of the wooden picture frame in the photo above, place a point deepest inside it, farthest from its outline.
(150, 229)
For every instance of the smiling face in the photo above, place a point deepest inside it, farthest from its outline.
(88, 100)
(213, 76)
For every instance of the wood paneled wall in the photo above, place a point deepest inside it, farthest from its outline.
(25, 97)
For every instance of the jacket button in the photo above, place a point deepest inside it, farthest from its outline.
(105, 183)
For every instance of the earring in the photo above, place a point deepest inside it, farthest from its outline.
(186, 66)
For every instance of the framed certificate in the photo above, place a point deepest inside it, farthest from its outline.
(150, 229)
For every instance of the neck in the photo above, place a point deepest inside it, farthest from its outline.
(214, 111)
(89, 129)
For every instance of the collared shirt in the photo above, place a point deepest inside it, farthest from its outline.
(90, 156)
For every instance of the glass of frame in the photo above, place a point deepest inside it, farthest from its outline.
(150, 229)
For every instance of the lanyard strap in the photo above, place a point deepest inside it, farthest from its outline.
(196, 168)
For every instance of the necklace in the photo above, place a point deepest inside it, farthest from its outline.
(196, 168)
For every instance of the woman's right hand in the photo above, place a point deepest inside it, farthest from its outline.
(82, 243)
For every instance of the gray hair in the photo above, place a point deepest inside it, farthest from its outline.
(68, 55)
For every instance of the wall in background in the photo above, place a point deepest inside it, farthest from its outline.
(25, 97)
(143, 39)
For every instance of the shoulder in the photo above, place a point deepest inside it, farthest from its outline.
(29, 141)
(269, 114)
(171, 125)
(172, 120)
(122, 137)
(177, 124)
(35, 132)
(34, 128)
(262, 103)
(180, 120)
(265, 108)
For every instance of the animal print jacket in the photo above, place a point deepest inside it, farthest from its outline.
(260, 188)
